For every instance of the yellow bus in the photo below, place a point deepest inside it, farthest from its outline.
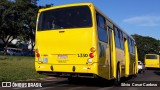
(152, 61)
(78, 40)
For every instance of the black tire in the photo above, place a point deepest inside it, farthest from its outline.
(118, 78)
(143, 71)
(140, 71)
(135, 69)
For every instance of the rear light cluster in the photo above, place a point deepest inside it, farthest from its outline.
(37, 53)
(91, 55)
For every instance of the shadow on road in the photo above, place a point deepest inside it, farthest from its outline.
(153, 69)
(92, 82)
(157, 72)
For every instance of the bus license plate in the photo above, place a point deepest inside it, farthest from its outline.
(62, 56)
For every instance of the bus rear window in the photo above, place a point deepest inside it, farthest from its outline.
(151, 57)
(64, 18)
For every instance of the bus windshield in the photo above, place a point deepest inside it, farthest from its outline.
(151, 56)
(64, 18)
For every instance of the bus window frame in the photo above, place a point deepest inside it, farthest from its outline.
(48, 26)
(99, 27)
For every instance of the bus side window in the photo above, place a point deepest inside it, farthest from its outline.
(101, 26)
(121, 40)
(130, 45)
(117, 37)
(133, 51)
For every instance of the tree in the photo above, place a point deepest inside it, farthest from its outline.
(9, 28)
(17, 20)
(146, 45)
(29, 16)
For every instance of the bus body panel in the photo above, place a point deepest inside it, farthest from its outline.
(120, 58)
(104, 60)
(69, 47)
(136, 60)
(132, 64)
(152, 62)
(127, 57)
(113, 56)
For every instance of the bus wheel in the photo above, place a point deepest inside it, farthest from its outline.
(118, 78)
(142, 71)
(135, 69)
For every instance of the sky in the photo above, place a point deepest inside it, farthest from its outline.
(140, 17)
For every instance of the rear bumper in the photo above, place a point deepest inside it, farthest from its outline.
(152, 66)
(68, 74)
(67, 70)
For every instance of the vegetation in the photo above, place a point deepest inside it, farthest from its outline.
(146, 45)
(17, 21)
(17, 68)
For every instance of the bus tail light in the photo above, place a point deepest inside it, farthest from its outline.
(37, 53)
(92, 49)
(91, 55)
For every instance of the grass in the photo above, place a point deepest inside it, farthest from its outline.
(14, 68)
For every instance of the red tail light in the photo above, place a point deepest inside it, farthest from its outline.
(91, 55)
(38, 55)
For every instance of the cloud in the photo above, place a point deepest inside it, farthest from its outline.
(144, 20)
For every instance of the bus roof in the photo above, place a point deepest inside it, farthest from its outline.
(79, 4)
(64, 5)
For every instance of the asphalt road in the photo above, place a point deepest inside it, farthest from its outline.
(150, 77)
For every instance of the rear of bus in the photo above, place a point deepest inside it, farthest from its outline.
(152, 61)
(66, 41)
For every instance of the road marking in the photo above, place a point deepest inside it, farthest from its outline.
(105, 88)
(75, 88)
